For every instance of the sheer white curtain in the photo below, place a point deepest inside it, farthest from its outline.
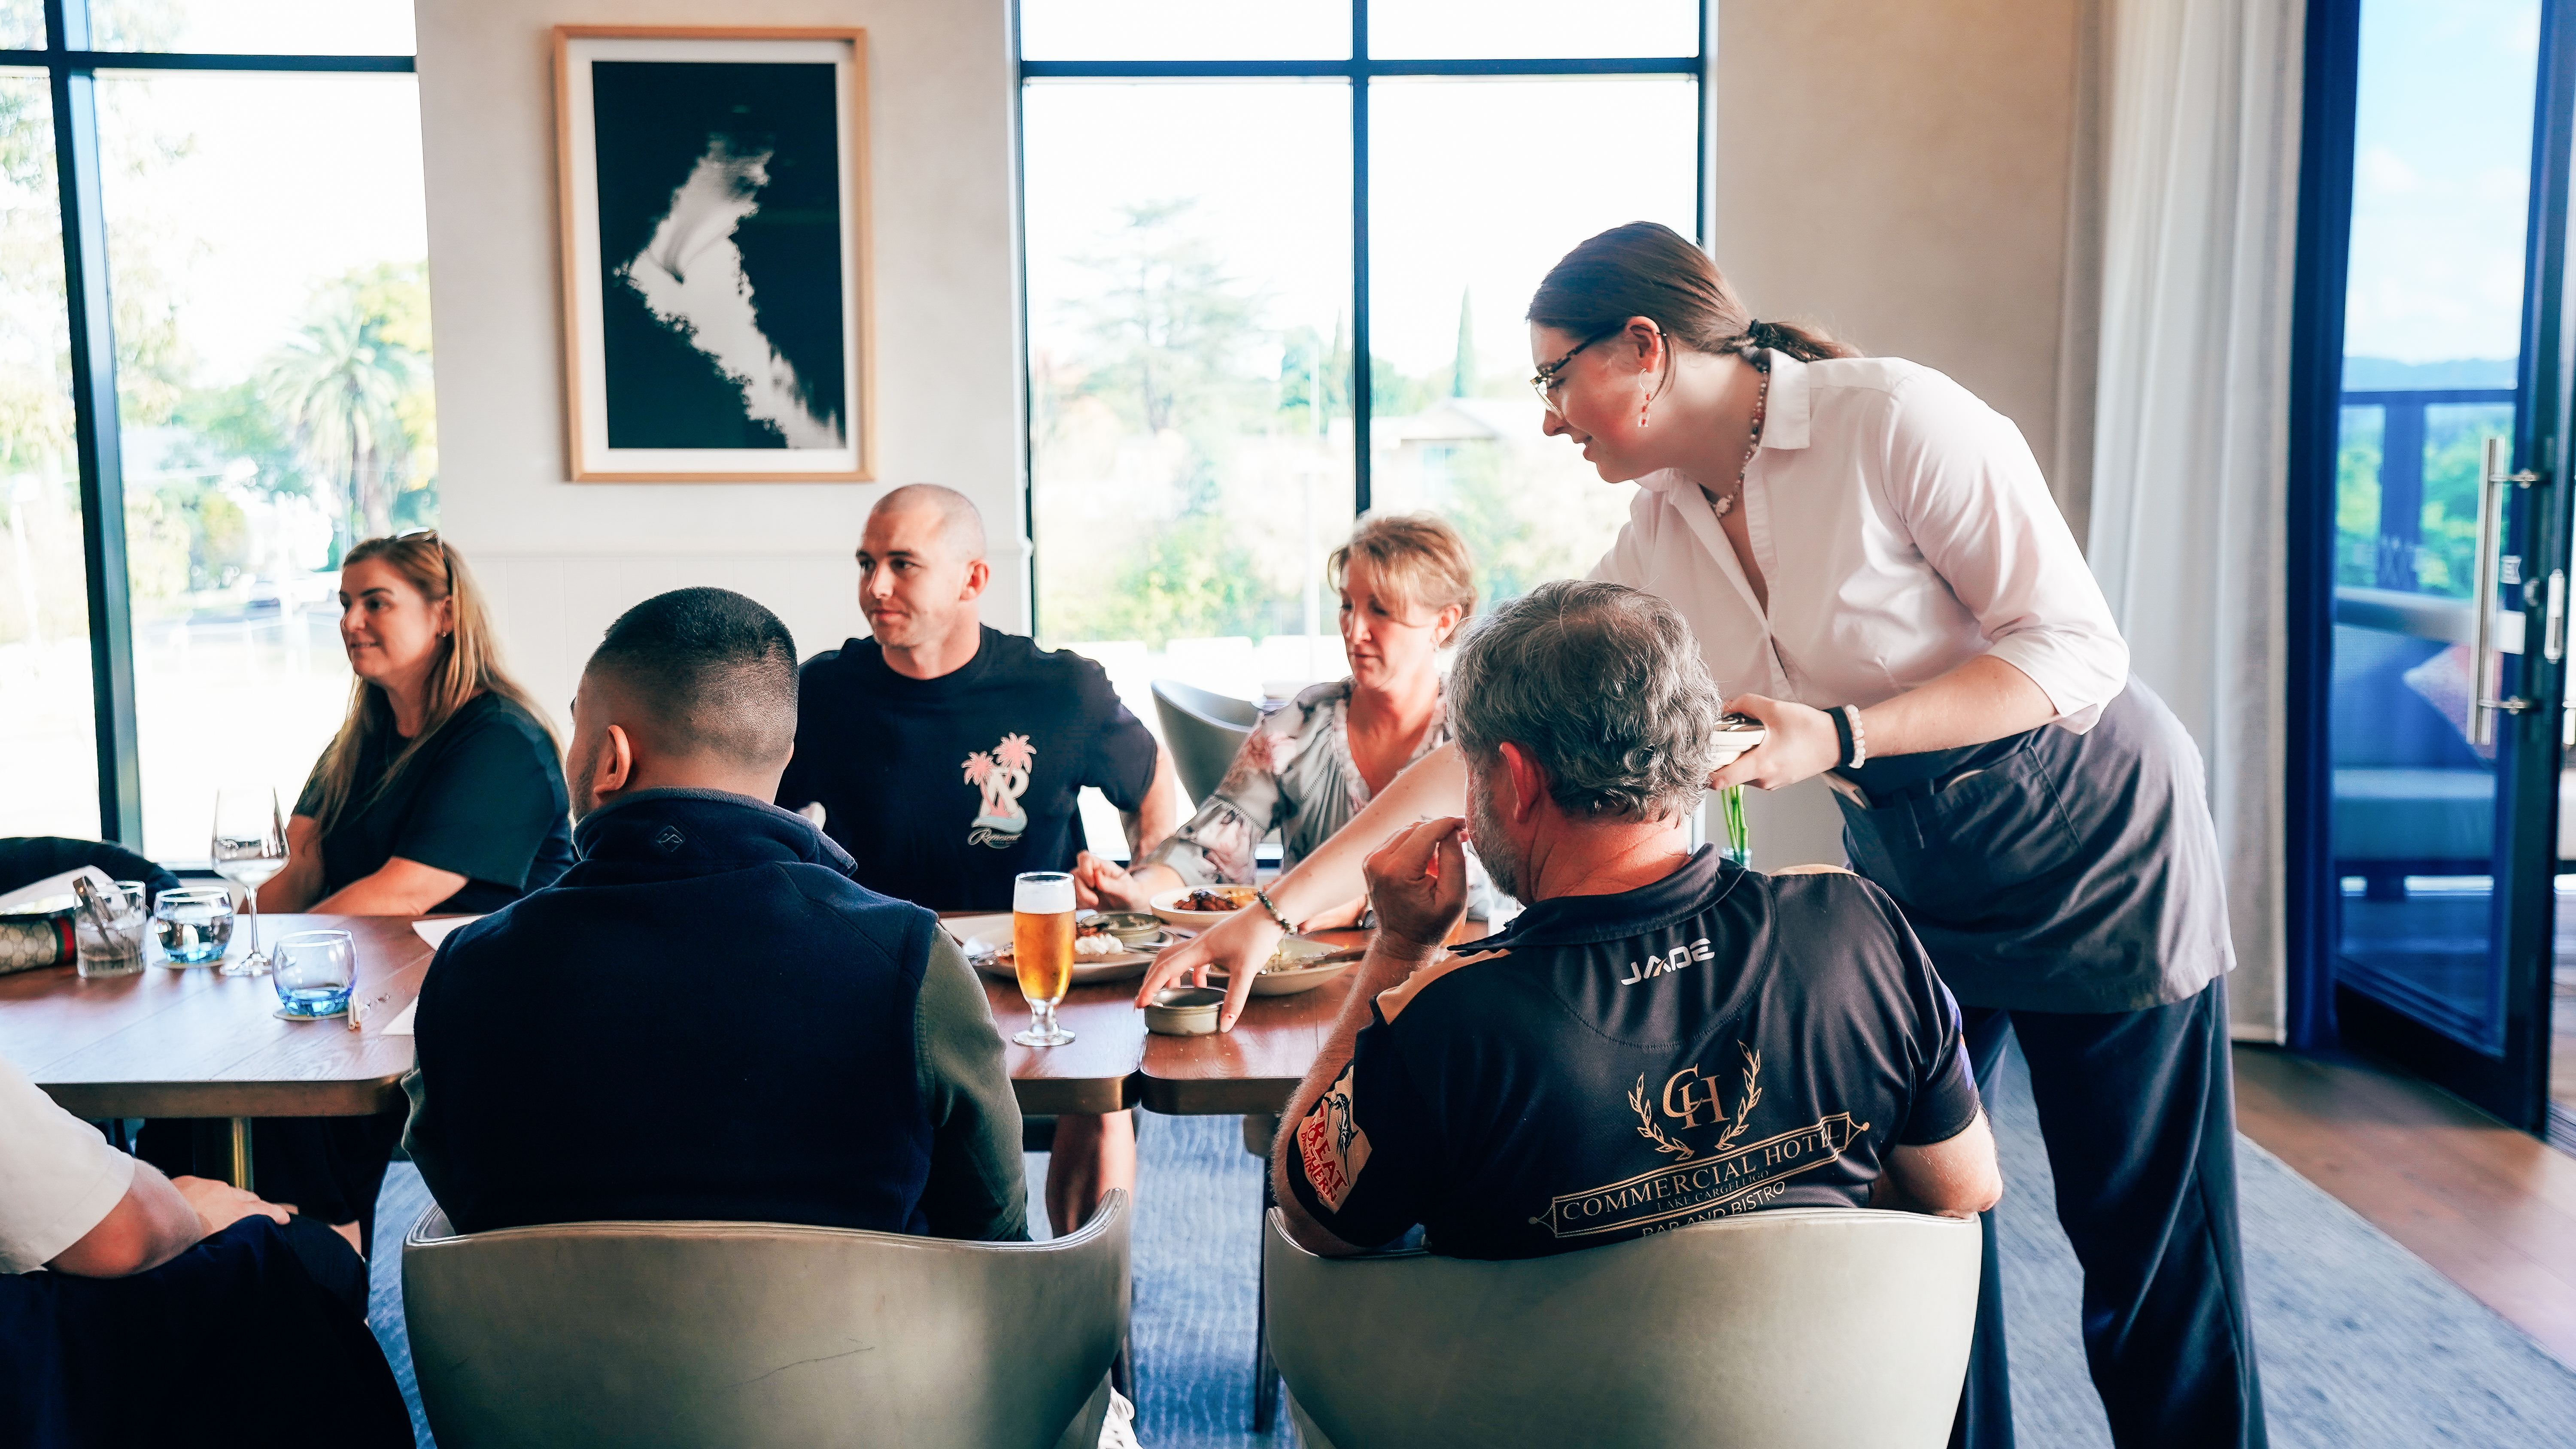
(2191, 463)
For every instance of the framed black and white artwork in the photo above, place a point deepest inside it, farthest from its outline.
(715, 234)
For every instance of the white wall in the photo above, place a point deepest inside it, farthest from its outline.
(1916, 177)
(1923, 180)
(562, 559)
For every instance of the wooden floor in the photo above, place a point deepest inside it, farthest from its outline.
(2491, 1208)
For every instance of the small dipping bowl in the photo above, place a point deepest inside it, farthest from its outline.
(1184, 1010)
(1131, 927)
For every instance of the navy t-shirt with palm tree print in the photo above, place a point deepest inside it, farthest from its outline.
(944, 789)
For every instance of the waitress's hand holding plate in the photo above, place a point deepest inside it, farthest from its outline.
(1797, 742)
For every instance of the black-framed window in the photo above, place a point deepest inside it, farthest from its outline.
(214, 376)
(1221, 215)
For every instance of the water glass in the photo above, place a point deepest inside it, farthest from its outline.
(313, 971)
(110, 942)
(194, 926)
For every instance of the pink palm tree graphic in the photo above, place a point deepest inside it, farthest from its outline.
(1002, 775)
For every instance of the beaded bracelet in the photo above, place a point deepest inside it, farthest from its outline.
(1272, 907)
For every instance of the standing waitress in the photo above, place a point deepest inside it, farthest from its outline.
(1873, 566)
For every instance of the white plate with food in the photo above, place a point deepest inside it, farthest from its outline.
(1199, 907)
(1097, 954)
(1301, 963)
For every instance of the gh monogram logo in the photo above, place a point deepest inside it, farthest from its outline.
(1686, 1094)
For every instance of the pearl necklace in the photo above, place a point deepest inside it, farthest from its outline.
(1761, 399)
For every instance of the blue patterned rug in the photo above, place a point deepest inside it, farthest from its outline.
(2364, 1347)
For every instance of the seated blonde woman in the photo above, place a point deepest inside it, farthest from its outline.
(1406, 584)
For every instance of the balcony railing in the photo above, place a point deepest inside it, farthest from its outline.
(2401, 471)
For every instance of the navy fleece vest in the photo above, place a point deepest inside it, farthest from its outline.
(704, 1018)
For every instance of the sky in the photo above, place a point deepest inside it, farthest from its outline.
(2442, 164)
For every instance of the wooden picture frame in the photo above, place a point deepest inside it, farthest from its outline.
(714, 210)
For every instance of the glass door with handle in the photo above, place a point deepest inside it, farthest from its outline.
(2450, 575)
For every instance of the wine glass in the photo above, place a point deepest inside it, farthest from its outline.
(249, 847)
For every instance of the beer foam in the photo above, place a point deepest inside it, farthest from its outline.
(1042, 893)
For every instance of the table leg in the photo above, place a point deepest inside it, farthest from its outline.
(237, 1155)
(1265, 1375)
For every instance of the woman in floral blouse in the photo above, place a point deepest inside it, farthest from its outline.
(1406, 584)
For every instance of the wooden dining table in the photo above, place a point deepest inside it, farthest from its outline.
(194, 1043)
(1253, 1068)
(1249, 1070)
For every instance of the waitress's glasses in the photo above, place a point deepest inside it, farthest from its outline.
(1552, 376)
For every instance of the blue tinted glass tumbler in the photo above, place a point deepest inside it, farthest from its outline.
(194, 926)
(313, 972)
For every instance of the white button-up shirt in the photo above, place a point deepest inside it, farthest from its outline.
(1904, 529)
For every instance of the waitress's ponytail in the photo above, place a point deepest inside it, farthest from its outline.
(1647, 270)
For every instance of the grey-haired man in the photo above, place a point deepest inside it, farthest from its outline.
(1663, 1037)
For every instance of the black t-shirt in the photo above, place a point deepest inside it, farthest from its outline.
(943, 789)
(483, 798)
(1613, 1066)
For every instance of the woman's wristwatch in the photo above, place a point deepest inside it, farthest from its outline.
(1847, 731)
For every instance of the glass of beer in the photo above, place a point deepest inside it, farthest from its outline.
(1042, 950)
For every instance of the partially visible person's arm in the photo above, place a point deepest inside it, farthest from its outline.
(1434, 786)
(300, 884)
(400, 888)
(158, 1219)
(1104, 883)
(978, 1190)
(1419, 879)
(1942, 1158)
(1213, 844)
(1165, 807)
(1984, 699)
(421, 1140)
(1955, 1179)
(1383, 969)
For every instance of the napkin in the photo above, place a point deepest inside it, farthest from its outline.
(436, 931)
(401, 1025)
(43, 893)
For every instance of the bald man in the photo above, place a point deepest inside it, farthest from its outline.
(947, 757)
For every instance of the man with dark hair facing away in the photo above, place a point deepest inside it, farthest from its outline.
(1663, 1037)
(781, 1044)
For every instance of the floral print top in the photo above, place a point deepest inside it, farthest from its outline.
(1294, 773)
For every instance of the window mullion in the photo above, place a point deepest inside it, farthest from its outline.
(1361, 368)
(94, 425)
